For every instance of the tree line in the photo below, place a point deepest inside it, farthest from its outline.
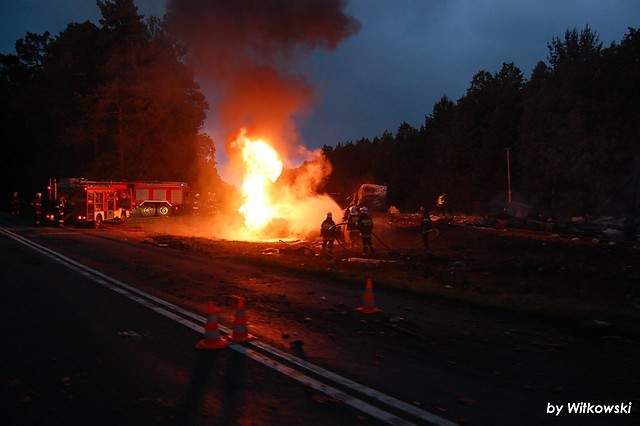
(564, 142)
(117, 101)
(113, 101)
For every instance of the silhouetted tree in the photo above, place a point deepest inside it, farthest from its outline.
(485, 123)
(113, 101)
(438, 129)
(566, 152)
(142, 119)
(572, 131)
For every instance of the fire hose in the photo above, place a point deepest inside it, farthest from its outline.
(338, 239)
(434, 234)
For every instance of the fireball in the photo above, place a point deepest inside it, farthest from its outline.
(279, 210)
(263, 167)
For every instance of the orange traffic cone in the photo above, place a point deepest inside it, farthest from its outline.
(240, 332)
(368, 302)
(212, 339)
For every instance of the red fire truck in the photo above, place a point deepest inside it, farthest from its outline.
(159, 198)
(79, 201)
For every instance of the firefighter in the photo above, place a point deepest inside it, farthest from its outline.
(426, 227)
(195, 206)
(36, 203)
(211, 203)
(441, 204)
(328, 231)
(60, 207)
(352, 226)
(15, 205)
(365, 226)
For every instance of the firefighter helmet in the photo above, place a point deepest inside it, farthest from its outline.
(364, 210)
(354, 210)
(329, 215)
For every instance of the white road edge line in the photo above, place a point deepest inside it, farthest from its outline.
(146, 300)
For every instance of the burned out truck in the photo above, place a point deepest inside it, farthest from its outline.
(373, 196)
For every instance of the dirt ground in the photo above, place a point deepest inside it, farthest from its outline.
(521, 310)
(593, 283)
(483, 319)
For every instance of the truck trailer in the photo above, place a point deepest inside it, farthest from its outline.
(156, 198)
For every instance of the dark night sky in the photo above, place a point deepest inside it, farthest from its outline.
(406, 56)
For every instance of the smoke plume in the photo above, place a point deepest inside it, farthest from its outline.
(254, 53)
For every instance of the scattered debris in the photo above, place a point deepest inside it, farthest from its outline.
(296, 344)
(363, 260)
(130, 333)
(298, 251)
(550, 346)
(466, 400)
(601, 323)
(323, 399)
(157, 244)
(406, 327)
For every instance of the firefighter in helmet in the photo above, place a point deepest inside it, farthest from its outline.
(426, 227)
(36, 203)
(352, 226)
(195, 206)
(60, 209)
(15, 204)
(441, 203)
(328, 231)
(365, 226)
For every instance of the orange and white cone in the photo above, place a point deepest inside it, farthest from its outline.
(240, 331)
(368, 300)
(212, 339)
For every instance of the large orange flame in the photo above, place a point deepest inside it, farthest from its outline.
(274, 209)
(263, 167)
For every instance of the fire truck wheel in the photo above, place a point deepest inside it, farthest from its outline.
(164, 210)
(147, 210)
(97, 222)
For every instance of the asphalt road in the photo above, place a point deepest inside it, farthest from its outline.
(79, 353)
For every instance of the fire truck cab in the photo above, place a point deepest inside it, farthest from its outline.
(159, 198)
(77, 201)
